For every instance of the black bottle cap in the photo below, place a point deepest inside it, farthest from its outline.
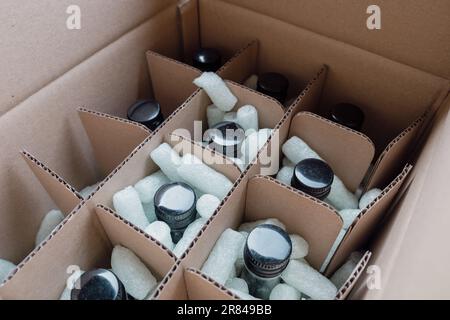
(99, 284)
(175, 205)
(147, 113)
(348, 115)
(267, 251)
(227, 137)
(314, 177)
(207, 59)
(274, 85)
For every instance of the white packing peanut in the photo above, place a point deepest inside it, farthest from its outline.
(348, 216)
(188, 236)
(138, 281)
(148, 186)
(223, 256)
(308, 281)
(249, 226)
(207, 205)
(6, 268)
(368, 197)
(283, 291)
(285, 175)
(161, 232)
(204, 178)
(214, 115)
(217, 91)
(237, 284)
(344, 272)
(128, 205)
(247, 118)
(168, 160)
(300, 247)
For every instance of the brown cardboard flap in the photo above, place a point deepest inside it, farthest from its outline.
(188, 12)
(366, 223)
(393, 158)
(310, 97)
(121, 232)
(201, 287)
(242, 65)
(112, 138)
(347, 287)
(316, 222)
(348, 152)
(65, 196)
(79, 241)
(171, 81)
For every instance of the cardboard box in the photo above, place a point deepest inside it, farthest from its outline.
(399, 75)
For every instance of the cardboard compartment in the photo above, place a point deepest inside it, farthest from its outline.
(163, 70)
(85, 242)
(270, 112)
(255, 199)
(349, 153)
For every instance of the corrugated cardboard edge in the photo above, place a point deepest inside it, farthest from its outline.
(102, 129)
(40, 247)
(369, 218)
(63, 194)
(347, 287)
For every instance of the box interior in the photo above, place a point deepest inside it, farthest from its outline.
(137, 58)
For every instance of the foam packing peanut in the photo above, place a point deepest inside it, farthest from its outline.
(296, 150)
(308, 281)
(300, 247)
(204, 178)
(148, 186)
(128, 205)
(348, 216)
(230, 116)
(214, 115)
(6, 268)
(283, 291)
(138, 281)
(247, 118)
(253, 143)
(223, 256)
(161, 232)
(217, 91)
(188, 236)
(48, 224)
(243, 295)
(168, 160)
(237, 284)
(285, 175)
(207, 205)
(368, 197)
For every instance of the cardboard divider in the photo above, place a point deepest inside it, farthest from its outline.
(262, 198)
(139, 165)
(63, 195)
(347, 287)
(348, 152)
(188, 16)
(368, 220)
(393, 158)
(112, 138)
(163, 70)
(84, 241)
(270, 112)
(155, 256)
